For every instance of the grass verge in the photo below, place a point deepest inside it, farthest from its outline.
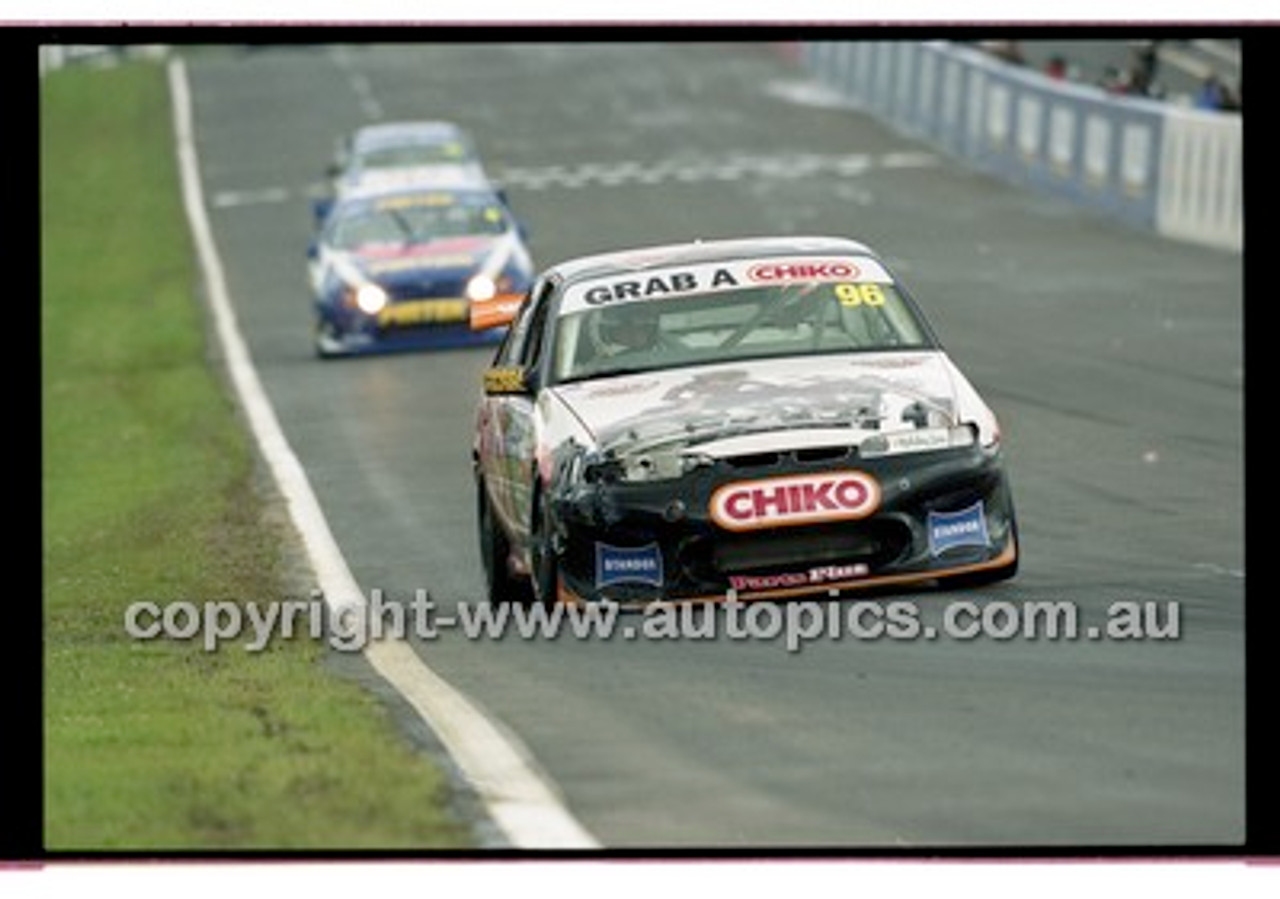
(149, 493)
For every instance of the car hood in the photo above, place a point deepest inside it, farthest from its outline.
(443, 174)
(390, 265)
(753, 406)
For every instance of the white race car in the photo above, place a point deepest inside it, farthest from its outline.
(755, 418)
(389, 154)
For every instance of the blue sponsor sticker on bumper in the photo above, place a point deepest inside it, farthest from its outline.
(628, 565)
(949, 530)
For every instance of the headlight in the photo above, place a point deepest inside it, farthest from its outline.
(661, 466)
(991, 436)
(370, 298)
(655, 467)
(633, 468)
(481, 287)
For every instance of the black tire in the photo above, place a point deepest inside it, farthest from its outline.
(495, 549)
(323, 330)
(545, 575)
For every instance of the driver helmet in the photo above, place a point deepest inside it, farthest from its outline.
(629, 327)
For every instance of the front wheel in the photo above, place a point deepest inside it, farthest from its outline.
(327, 341)
(543, 557)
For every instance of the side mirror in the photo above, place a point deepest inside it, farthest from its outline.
(506, 380)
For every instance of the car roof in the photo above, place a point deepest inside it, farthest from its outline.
(382, 190)
(399, 133)
(700, 251)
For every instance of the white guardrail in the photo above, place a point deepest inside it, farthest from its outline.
(1154, 164)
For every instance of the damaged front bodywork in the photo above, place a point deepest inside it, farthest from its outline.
(779, 486)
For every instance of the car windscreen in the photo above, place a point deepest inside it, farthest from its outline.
(735, 311)
(414, 155)
(414, 218)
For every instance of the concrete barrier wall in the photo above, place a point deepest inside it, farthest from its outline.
(1202, 182)
(1152, 164)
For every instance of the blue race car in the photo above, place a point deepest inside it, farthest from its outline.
(405, 268)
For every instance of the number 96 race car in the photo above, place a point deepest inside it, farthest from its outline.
(750, 419)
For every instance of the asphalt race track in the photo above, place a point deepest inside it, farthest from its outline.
(1113, 358)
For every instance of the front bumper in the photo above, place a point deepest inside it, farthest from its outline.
(940, 514)
(344, 331)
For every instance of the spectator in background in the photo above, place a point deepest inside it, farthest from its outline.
(1138, 78)
(1056, 68)
(1231, 99)
(1212, 93)
(1006, 51)
(1142, 74)
(1114, 81)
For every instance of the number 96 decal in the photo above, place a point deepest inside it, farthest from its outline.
(851, 295)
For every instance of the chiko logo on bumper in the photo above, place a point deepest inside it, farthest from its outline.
(795, 500)
(626, 565)
(947, 530)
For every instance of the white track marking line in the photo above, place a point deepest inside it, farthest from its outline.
(597, 175)
(229, 198)
(522, 803)
(360, 84)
